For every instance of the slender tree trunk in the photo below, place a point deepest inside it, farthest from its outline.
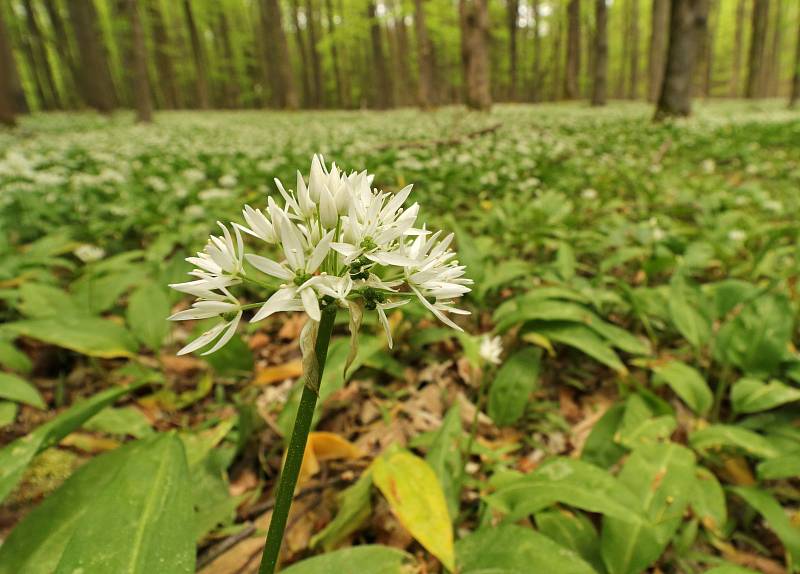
(758, 43)
(773, 75)
(474, 17)
(556, 59)
(337, 72)
(301, 49)
(199, 56)
(276, 54)
(513, 17)
(161, 41)
(537, 53)
(626, 46)
(96, 83)
(231, 85)
(121, 30)
(8, 70)
(141, 80)
(795, 95)
(382, 87)
(688, 21)
(72, 76)
(426, 95)
(658, 47)
(600, 53)
(738, 47)
(633, 30)
(406, 80)
(316, 64)
(573, 66)
(708, 48)
(42, 63)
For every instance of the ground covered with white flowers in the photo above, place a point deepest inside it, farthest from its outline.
(575, 332)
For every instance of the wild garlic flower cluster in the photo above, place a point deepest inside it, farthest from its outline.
(335, 240)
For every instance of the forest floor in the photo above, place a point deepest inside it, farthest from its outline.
(642, 279)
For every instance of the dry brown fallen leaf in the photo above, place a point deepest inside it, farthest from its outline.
(278, 373)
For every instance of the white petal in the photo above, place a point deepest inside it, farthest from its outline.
(269, 267)
(319, 253)
(203, 339)
(310, 303)
(231, 329)
(281, 300)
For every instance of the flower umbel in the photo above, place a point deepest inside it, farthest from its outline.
(334, 241)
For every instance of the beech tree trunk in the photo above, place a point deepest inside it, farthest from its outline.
(42, 63)
(426, 95)
(573, 66)
(199, 55)
(474, 19)
(301, 50)
(758, 44)
(513, 17)
(316, 64)
(536, 84)
(71, 78)
(688, 21)
(337, 71)
(633, 32)
(164, 69)
(738, 48)
(8, 71)
(382, 81)
(231, 83)
(795, 95)
(96, 85)
(407, 82)
(773, 76)
(600, 71)
(276, 54)
(658, 47)
(141, 81)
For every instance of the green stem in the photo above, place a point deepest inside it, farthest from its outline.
(473, 431)
(296, 448)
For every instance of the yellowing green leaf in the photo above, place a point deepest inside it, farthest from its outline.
(416, 498)
(88, 335)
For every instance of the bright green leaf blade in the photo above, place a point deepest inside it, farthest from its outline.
(784, 466)
(776, 518)
(719, 436)
(511, 388)
(511, 549)
(410, 486)
(708, 501)
(583, 339)
(14, 359)
(148, 309)
(688, 384)
(8, 413)
(572, 530)
(15, 457)
(751, 395)
(87, 335)
(19, 390)
(354, 508)
(122, 421)
(444, 456)
(372, 559)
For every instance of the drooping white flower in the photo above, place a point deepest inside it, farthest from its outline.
(491, 349)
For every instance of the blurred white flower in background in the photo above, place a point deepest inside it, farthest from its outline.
(88, 253)
(737, 235)
(491, 349)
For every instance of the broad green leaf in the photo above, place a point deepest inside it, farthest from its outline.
(14, 359)
(511, 549)
(370, 559)
(690, 323)
(87, 335)
(15, 457)
(19, 390)
(583, 339)
(730, 569)
(354, 508)
(688, 384)
(444, 456)
(600, 448)
(751, 395)
(640, 425)
(720, 436)
(568, 481)
(122, 421)
(99, 293)
(148, 309)
(708, 501)
(572, 530)
(132, 503)
(416, 498)
(144, 515)
(38, 300)
(214, 506)
(776, 518)
(784, 466)
(8, 413)
(661, 476)
(513, 384)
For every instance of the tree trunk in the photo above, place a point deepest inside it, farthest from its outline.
(513, 18)
(404, 71)
(658, 46)
(427, 92)
(556, 58)
(382, 89)
(795, 95)
(708, 48)
(758, 43)
(141, 81)
(773, 75)
(71, 79)
(8, 71)
(199, 56)
(166, 74)
(316, 64)
(536, 85)
(301, 49)
(41, 62)
(625, 60)
(231, 84)
(738, 47)
(96, 85)
(276, 54)
(341, 99)
(688, 21)
(633, 30)
(573, 65)
(474, 18)
(600, 53)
